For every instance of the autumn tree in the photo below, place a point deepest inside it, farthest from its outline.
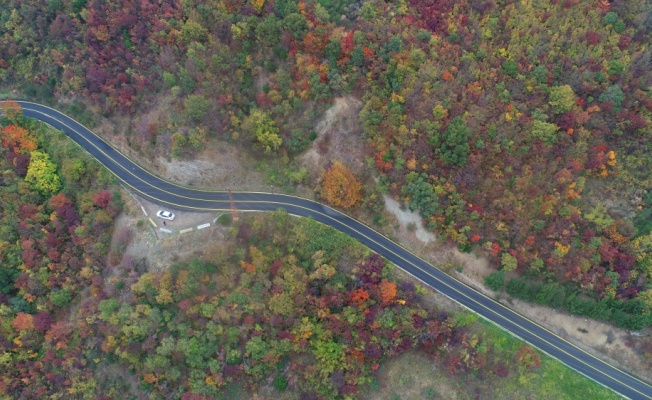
(11, 110)
(263, 128)
(282, 304)
(23, 322)
(562, 99)
(295, 23)
(387, 291)
(192, 30)
(267, 32)
(18, 139)
(339, 187)
(286, 7)
(42, 173)
(73, 169)
(359, 296)
(544, 131)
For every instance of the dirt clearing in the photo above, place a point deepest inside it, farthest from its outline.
(219, 166)
(338, 138)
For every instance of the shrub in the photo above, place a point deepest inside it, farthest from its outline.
(546, 294)
(519, 289)
(280, 383)
(495, 281)
(510, 67)
(196, 107)
(576, 305)
(224, 219)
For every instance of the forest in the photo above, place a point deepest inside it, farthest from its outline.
(56, 220)
(518, 129)
(286, 303)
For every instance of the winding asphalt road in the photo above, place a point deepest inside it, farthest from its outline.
(178, 197)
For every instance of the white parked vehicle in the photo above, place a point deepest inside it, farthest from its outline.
(165, 215)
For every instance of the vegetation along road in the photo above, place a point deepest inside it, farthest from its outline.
(179, 197)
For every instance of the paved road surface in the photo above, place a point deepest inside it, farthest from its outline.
(183, 198)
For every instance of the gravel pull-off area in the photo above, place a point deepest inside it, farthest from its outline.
(163, 245)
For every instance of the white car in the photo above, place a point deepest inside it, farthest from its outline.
(165, 215)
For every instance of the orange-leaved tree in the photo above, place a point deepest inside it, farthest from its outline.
(359, 296)
(18, 139)
(23, 322)
(339, 187)
(387, 291)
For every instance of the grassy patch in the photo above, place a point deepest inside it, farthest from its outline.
(224, 219)
(6, 94)
(552, 380)
(413, 376)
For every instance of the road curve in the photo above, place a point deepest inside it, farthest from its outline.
(184, 198)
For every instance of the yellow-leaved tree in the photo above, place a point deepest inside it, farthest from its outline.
(261, 126)
(339, 187)
(42, 173)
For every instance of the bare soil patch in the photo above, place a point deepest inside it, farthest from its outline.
(338, 138)
(219, 166)
(409, 219)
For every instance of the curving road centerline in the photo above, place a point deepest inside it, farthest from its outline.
(179, 197)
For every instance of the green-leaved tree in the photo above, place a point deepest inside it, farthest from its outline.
(562, 99)
(453, 145)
